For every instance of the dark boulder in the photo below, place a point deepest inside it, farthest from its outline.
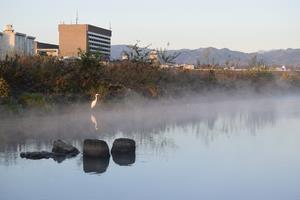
(96, 149)
(123, 151)
(64, 149)
(60, 151)
(95, 165)
(36, 155)
(123, 145)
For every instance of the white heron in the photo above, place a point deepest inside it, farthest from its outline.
(93, 104)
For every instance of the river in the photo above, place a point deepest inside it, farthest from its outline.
(193, 149)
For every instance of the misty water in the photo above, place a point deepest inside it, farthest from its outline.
(194, 148)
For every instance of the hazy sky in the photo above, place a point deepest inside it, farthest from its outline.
(246, 25)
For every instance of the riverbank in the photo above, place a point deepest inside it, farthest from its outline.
(43, 82)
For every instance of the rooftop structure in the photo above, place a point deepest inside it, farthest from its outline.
(46, 49)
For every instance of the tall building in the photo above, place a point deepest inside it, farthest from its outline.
(88, 38)
(14, 43)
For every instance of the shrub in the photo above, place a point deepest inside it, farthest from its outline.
(4, 89)
(30, 80)
(32, 100)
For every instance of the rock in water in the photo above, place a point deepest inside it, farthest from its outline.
(123, 151)
(60, 151)
(96, 148)
(62, 148)
(36, 155)
(123, 145)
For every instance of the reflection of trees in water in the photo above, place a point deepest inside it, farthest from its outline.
(238, 120)
(258, 120)
(149, 126)
(8, 158)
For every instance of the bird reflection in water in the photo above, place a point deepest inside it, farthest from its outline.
(93, 105)
(94, 121)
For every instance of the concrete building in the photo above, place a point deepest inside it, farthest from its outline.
(46, 49)
(14, 43)
(88, 38)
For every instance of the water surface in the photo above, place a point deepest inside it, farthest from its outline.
(234, 149)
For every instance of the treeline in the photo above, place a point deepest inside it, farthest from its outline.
(38, 79)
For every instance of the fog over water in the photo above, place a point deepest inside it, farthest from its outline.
(150, 116)
(198, 146)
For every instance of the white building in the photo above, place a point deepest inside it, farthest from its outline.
(14, 43)
(179, 66)
(188, 66)
(124, 56)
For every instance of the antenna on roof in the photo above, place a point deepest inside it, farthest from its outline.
(109, 25)
(77, 18)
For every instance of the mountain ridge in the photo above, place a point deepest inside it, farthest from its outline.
(212, 55)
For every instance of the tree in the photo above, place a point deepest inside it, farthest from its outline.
(206, 55)
(255, 63)
(137, 53)
(167, 57)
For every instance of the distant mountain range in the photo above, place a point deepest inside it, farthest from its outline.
(287, 57)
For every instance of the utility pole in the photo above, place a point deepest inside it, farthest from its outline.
(77, 17)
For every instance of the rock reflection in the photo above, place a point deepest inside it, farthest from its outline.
(95, 165)
(124, 159)
(59, 159)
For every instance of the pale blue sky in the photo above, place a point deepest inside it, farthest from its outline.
(245, 25)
